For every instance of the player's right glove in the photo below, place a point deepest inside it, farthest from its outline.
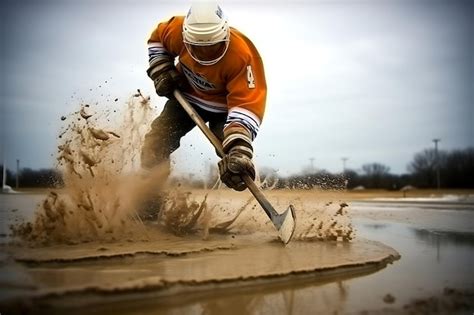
(165, 77)
(233, 165)
(237, 146)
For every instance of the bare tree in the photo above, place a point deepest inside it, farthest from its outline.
(375, 169)
(376, 175)
(423, 167)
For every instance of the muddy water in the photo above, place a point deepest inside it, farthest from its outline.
(436, 242)
(432, 261)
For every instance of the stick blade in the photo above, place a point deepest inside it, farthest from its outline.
(287, 228)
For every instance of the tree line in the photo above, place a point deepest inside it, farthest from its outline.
(456, 170)
(30, 178)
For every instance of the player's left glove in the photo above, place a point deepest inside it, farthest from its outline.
(165, 77)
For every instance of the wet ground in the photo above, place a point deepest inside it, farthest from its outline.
(434, 275)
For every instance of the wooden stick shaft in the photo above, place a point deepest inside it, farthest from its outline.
(269, 210)
(200, 123)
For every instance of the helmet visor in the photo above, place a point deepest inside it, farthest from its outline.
(207, 54)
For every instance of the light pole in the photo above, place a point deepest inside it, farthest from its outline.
(4, 178)
(312, 164)
(344, 160)
(17, 173)
(437, 162)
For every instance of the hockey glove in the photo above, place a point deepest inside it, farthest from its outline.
(238, 159)
(165, 77)
(232, 166)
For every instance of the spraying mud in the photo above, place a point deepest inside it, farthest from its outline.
(105, 189)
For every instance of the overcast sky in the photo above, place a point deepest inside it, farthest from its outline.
(373, 81)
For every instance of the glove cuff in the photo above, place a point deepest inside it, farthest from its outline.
(237, 137)
(242, 149)
(159, 66)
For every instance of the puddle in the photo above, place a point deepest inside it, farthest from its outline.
(431, 260)
(440, 239)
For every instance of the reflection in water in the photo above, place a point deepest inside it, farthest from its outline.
(228, 305)
(306, 295)
(375, 226)
(443, 239)
(434, 237)
(305, 299)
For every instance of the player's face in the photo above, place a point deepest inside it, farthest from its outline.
(207, 53)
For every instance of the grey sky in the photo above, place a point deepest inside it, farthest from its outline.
(374, 81)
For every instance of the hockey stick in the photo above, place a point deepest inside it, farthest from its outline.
(285, 223)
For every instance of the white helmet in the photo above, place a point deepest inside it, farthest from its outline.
(206, 32)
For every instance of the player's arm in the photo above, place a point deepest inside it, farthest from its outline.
(164, 45)
(246, 100)
(247, 92)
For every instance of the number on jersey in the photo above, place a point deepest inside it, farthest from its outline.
(250, 78)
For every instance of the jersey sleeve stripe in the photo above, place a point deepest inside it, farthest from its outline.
(156, 50)
(248, 114)
(245, 118)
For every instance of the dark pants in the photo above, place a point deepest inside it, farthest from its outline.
(168, 129)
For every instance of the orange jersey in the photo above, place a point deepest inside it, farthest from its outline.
(236, 84)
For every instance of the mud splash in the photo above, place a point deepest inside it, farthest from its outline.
(99, 158)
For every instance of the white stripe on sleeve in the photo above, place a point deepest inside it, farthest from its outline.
(246, 118)
(157, 50)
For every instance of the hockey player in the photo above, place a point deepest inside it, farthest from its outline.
(220, 72)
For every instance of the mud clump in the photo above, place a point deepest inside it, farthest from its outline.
(101, 182)
(180, 214)
(324, 221)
